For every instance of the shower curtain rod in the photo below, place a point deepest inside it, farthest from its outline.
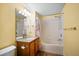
(55, 14)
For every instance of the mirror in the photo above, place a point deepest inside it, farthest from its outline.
(20, 26)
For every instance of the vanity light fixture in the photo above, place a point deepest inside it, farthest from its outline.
(24, 12)
(20, 11)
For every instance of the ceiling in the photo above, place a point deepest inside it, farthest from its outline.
(45, 8)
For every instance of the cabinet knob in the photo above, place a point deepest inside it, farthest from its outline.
(22, 47)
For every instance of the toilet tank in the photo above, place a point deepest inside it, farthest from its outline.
(8, 51)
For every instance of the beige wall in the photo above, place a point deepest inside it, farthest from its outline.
(7, 24)
(71, 37)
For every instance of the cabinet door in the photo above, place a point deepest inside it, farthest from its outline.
(32, 49)
(22, 49)
(36, 46)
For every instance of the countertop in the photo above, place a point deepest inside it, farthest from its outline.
(26, 39)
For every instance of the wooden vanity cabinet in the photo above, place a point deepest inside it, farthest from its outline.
(28, 48)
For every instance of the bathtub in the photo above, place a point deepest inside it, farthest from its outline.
(8, 51)
(52, 48)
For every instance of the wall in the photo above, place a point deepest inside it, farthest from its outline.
(71, 37)
(7, 24)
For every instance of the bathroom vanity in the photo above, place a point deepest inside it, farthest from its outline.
(27, 46)
(28, 31)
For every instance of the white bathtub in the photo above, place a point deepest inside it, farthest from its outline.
(8, 51)
(52, 48)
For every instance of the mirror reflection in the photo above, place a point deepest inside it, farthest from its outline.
(20, 24)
